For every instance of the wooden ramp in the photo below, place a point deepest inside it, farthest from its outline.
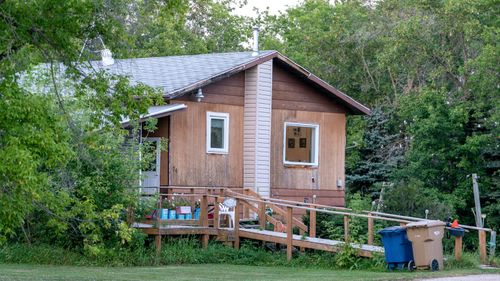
(307, 242)
(298, 241)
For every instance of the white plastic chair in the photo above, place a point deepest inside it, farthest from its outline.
(227, 208)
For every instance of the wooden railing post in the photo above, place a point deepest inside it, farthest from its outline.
(204, 219)
(193, 199)
(262, 215)
(482, 246)
(346, 228)
(289, 233)
(458, 248)
(158, 222)
(370, 229)
(216, 212)
(237, 210)
(312, 219)
(246, 210)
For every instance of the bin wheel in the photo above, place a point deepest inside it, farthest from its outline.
(434, 265)
(411, 265)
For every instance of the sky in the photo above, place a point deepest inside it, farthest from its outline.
(275, 6)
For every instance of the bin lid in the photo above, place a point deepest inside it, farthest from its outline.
(425, 223)
(392, 230)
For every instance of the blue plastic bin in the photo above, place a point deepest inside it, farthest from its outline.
(458, 231)
(397, 247)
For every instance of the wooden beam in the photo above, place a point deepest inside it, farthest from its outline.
(482, 247)
(370, 229)
(246, 210)
(237, 224)
(458, 248)
(216, 213)
(158, 244)
(312, 218)
(262, 215)
(346, 229)
(204, 219)
(289, 232)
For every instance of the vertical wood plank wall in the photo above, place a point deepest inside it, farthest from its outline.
(293, 100)
(190, 165)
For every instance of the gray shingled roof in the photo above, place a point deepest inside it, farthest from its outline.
(174, 73)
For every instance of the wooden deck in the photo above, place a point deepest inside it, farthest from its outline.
(260, 235)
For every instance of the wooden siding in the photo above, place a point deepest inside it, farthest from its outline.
(291, 92)
(331, 152)
(161, 132)
(190, 165)
(229, 91)
(257, 128)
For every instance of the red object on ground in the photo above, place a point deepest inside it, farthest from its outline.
(455, 224)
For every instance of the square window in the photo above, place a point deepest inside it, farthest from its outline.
(217, 132)
(305, 140)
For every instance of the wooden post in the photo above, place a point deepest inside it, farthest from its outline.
(193, 199)
(216, 212)
(237, 210)
(158, 222)
(158, 244)
(312, 219)
(482, 246)
(262, 215)
(204, 219)
(302, 233)
(246, 210)
(458, 248)
(370, 229)
(346, 228)
(289, 233)
(312, 223)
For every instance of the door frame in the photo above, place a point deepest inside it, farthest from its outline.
(149, 189)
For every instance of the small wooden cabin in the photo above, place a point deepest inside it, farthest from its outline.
(246, 119)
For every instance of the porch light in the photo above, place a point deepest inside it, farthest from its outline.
(199, 95)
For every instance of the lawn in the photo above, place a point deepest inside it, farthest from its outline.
(204, 272)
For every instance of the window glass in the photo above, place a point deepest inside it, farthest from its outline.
(217, 133)
(300, 144)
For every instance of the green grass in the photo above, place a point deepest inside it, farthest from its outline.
(207, 272)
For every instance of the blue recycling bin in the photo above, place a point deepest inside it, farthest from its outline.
(397, 247)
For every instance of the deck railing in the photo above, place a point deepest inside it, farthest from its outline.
(250, 202)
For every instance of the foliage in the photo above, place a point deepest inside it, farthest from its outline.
(429, 70)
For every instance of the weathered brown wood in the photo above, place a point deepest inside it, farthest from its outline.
(482, 247)
(289, 233)
(346, 229)
(262, 215)
(190, 164)
(312, 218)
(299, 243)
(193, 198)
(458, 248)
(204, 219)
(370, 229)
(302, 233)
(302, 182)
(291, 92)
(246, 210)
(158, 244)
(270, 219)
(180, 231)
(216, 213)
(237, 211)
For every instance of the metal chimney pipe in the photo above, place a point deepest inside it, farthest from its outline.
(255, 46)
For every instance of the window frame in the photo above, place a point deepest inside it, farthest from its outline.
(315, 142)
(217, 115)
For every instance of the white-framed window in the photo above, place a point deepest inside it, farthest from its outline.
(300, 144)
(217, 132)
